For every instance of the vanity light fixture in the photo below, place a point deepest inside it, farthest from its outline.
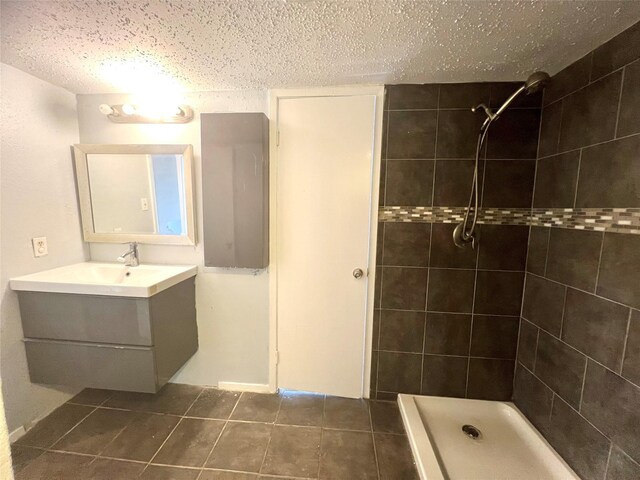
(128, 113)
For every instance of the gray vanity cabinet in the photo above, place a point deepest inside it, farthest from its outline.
(119, 343)
(235, 189)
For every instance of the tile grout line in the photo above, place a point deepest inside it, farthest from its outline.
(619, 106)
(453, 313)
(535, 169)
(455, 109)
(224, 427)
(386, 148)
(373, 437)
(520, 317)
(172, 430)
(585, 147)
(590, 80)
(266, 450)
(560, 128)
(472, 158)
(491, 270)
(324, 403)
(425, 320)
(564, 308)
(575, 193)
(606, 468)
(384, 234)
(426, 293)
(135, 413)
(535, 352)
(595, 288)
(74, 427)
(591, 56)
(290, 425)
(473, 311)
(584, 354)
(557, 282)
(626, 342)
(448, 355)
(584, 381)
(99, 454)
(567, 403)
(379, 319)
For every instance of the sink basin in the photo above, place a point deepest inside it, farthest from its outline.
(111, 279)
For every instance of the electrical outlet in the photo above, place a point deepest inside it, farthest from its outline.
(144, 204)
(40, 248)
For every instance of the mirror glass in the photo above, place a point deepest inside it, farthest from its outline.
(134, 193)
(139, 193)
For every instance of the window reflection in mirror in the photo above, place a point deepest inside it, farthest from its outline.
(136, 193)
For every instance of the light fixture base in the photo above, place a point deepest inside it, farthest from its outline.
(119, 116)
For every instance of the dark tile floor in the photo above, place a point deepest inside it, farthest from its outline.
(193, 433)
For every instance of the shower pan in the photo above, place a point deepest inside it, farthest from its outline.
(501, 442)
(464, 233)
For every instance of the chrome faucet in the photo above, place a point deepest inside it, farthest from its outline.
(130, 258)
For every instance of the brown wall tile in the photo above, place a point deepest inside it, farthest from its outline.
(631, 365)
(490, 379)
(611, 404)
(618, 51)
(556, 179)
(412, 97)
(560, 367)
(444, 376)
(411, 134)
(584, 448)
(573, 257)
(596, 327)
(619, 277)
(629, 116)
(527, 344)
(532, 397)
(610, 174)
(447, 334)
(589, 115)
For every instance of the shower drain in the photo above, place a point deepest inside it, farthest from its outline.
(472, 432)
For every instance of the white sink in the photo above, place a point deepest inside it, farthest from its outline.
(112, 279)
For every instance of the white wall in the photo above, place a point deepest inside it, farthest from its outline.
(232, 306)
(38, 198)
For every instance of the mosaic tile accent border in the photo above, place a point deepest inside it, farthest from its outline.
(622, 220)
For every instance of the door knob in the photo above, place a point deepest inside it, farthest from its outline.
(358, 273)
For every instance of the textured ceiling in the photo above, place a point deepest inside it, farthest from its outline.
(129, 45)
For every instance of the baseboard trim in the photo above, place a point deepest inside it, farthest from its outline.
(245, 387)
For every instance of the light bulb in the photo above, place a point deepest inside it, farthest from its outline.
(128, 109)
(106, 109)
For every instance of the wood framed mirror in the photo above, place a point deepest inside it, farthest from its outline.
(136, 193)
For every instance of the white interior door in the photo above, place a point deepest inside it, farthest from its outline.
(324, 187)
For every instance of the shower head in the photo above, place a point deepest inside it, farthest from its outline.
(535, 82)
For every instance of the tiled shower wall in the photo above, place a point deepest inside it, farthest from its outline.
(446, 320)
(578, 369)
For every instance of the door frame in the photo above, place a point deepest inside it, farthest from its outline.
(274, 97)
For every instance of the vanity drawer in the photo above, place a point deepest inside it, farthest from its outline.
(92, 365)
(85, 318)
